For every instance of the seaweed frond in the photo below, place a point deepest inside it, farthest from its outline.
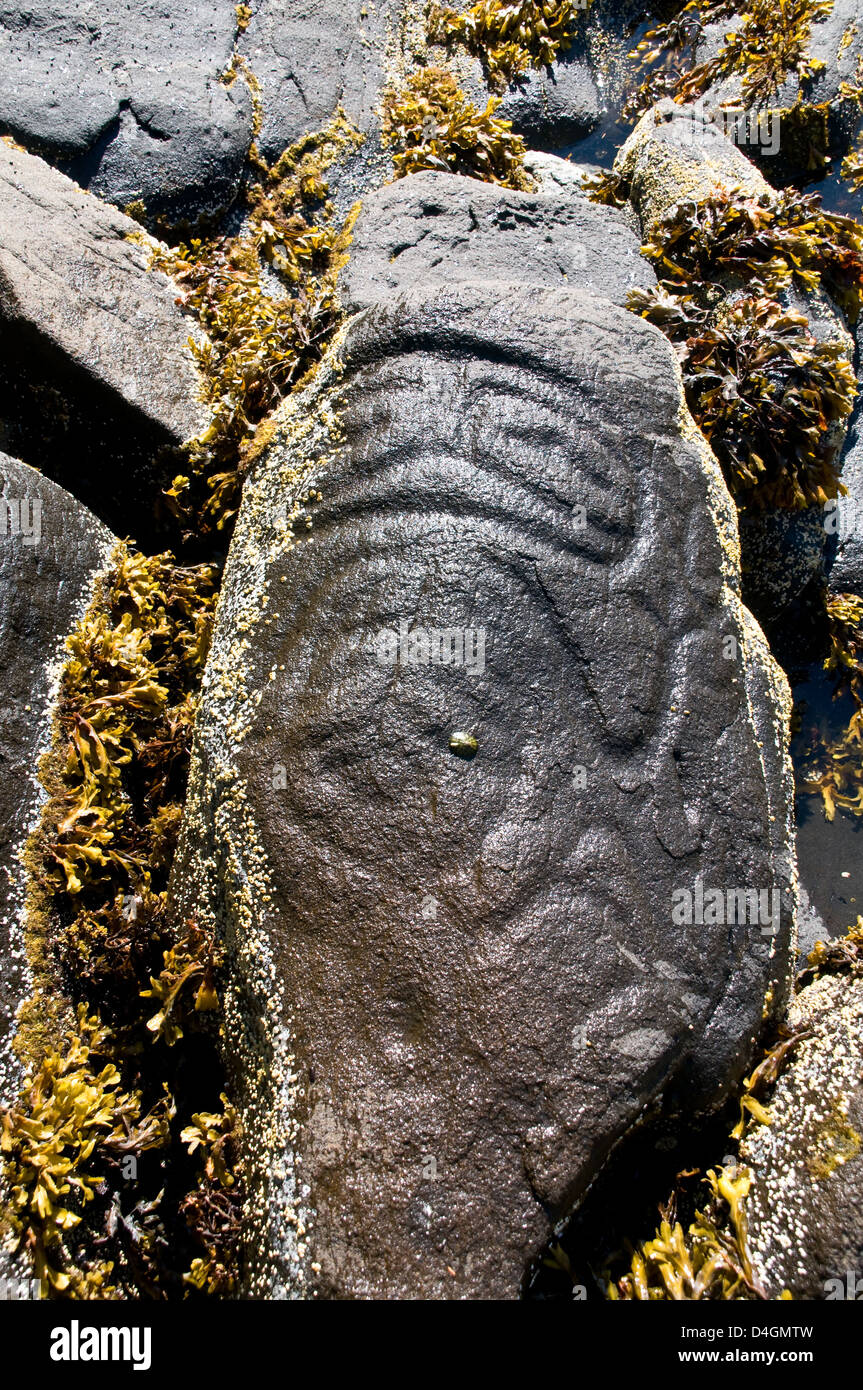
(764, 45)
(509, 36)
(709, 1260)
(429, 123)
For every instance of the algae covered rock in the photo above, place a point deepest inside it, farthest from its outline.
(674, 154)
(438, 229)
(95, 365)
(483, 724)
(132, 100)
(805, 1205)
(51, 550)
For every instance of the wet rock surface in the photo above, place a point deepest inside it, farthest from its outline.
(806, 1200)
(51, 549)
(446, 889)
(94, 359)
(436, 229)
(130, 100)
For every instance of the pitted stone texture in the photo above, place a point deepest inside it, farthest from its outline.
(51, 549)
(94, 353)
(441, 229)
(805, 1205)
(455, 982)
(127, 97)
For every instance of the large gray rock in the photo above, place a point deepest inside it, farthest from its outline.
(316, 55)
(51, 549)
(128, 98)
(440, 229)
(455, 981)
(94, 351)
(805, 1205)
(844, 520)
(673, 155)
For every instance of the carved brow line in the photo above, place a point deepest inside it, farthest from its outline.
(552, 373)
(402, 453)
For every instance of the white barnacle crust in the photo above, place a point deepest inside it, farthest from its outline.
(223, 876)
(806, 1163)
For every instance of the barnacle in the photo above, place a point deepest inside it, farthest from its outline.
(509, 37)
(763, 46)
(431, 124)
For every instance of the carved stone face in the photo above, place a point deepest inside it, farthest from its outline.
(475, 948)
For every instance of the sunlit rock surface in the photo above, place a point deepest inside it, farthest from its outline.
(457, 973)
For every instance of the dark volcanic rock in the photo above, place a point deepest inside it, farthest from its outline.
(554, 106)
(805, 1205)
(438, 229)
(94, 354)
(445, 885)
(319, 55)
(50, 551)
(128, 98)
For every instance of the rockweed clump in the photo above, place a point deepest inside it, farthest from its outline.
(267, 301)
(770, 398)
(765, 42)
(429, 123)
(509, 38)
(832, 762)
(99, 1122)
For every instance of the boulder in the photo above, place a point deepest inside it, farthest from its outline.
(321, 55)
(555, 106)
(843, 518)
(673, 155)
(836, 41)
(483, 717)
(130, 99)
(94, 353)
(51, 550)
(805, 1205)
(438, 229)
